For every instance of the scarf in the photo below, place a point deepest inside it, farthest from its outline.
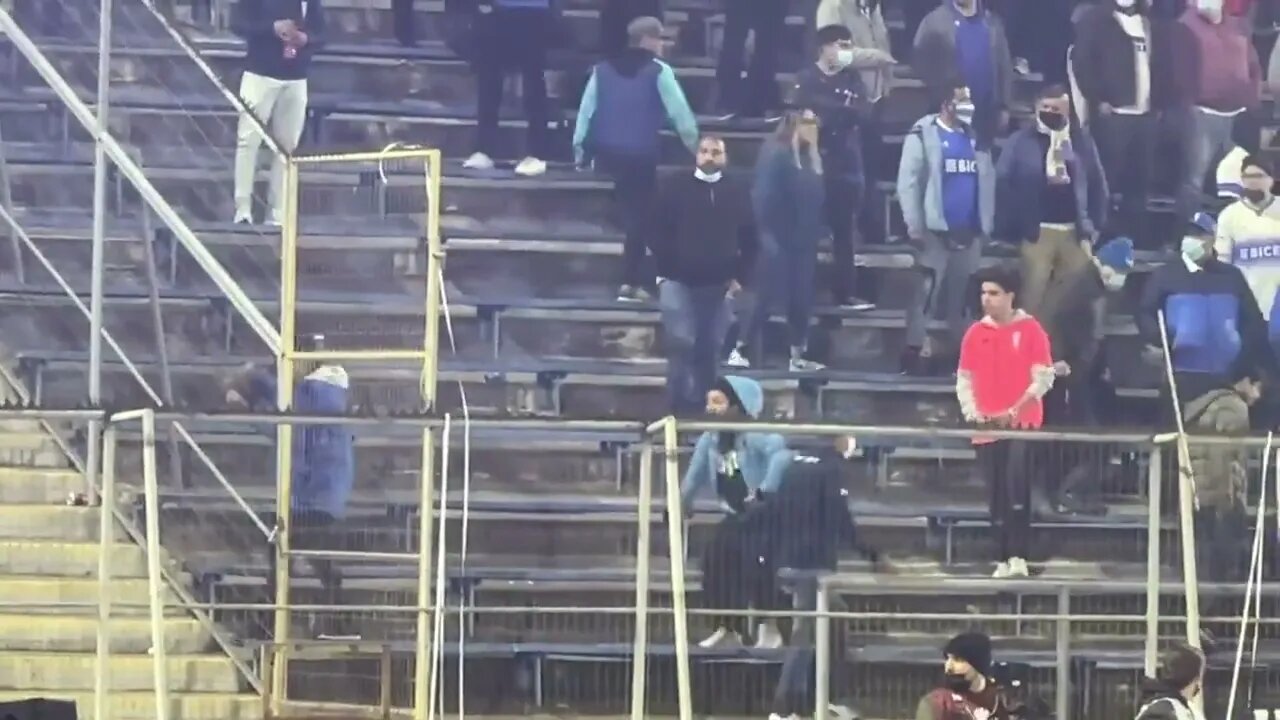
(1055, 159)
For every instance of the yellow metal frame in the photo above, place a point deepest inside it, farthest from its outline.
(289, 355)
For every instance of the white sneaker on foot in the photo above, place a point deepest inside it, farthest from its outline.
(478, 161)
(799, 364)
(722, 637)
(737, 360)
(1018, 567)
(243, 217)
(768, 637)
(776, 716)
(531, 167)
(1002, 572)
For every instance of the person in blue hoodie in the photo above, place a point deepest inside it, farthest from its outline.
(627, 102)
(743, 469)
(323, 464)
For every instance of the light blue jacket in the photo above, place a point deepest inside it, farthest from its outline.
(762, 457)
(920, 182)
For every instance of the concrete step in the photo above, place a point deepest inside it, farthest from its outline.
(67, 559)
(184, 636)
(142, 705)
(49, 522)
(131, 595)
(31, 447)
(128, 673)
(24, 485)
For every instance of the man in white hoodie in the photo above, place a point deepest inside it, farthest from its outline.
(1249, 236)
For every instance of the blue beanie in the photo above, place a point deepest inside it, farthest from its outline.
(1117, 254)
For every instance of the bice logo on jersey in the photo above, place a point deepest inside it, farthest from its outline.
(1255, 250)
(960, 165)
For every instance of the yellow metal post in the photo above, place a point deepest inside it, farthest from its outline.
(284, 432)
(675, 536)
(430, 371)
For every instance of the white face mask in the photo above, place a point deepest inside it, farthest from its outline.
(707, 177)
(1193, 249)
(1125, 4)
(844, 57)
(1112, 280)
(964, 112)
(1210, 8)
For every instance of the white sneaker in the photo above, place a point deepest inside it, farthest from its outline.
(737, 360)
(799, 364)
(1003, 571)
(531, 167)
(722, 637)
(1018, 568)
(243, 217)
(776, 716)
(478, 161)
(768, 637)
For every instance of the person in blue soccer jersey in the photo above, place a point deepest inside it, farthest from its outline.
(947, 190)
(1249, 237)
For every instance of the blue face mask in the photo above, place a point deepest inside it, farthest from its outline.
(1193, 249)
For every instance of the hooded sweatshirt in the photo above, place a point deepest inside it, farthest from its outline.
(1225, 73)
(625, 106)
(762, 459)
(922, 175)
(704, 233)
(1000, 363)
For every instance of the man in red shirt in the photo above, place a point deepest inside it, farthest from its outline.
(1005, 369)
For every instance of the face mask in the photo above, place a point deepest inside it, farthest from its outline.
(1052, 120)
(710, 177)
(844, 57)
(1210, 7)
(964, 112)
(955, 682)
(1254, 196)
(1127, 6)
(1112, 280)
(1193, 249)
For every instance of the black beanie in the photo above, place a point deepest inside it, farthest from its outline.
(973, 648)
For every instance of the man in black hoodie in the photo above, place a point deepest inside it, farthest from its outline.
(705, 246)
(280, 37)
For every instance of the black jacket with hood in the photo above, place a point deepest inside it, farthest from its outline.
(1161, 702)
(254, 20)
(705, 231)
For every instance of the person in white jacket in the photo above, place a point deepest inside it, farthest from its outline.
(1249, 237)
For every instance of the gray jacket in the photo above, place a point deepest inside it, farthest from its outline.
(920, 182)
(872, 57)
(935, 52)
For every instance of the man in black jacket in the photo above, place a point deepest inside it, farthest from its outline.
(280, 36)
(834, 92)
(704, 247)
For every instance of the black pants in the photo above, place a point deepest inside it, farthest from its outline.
(1038, 32)
(516, 39)
(1127, 145)
(1004, 465)
(616, 15)
(759, 91)
(738, 572)
(312, 530)
(402, 17)
(841, 203)
(872, 223)
(1222, 555)
(634, 184)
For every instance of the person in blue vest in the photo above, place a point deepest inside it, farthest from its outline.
(627, 102)
(323, 468)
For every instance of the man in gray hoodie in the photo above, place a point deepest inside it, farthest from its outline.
(962, 42)
(947, 190)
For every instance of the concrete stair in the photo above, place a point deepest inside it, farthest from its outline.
(48, 559)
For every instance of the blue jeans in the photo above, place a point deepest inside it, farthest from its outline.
(1207, 140)
(785, 272)
(694, 323)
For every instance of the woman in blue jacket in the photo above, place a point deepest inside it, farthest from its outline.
(788, 196)
(738, 564)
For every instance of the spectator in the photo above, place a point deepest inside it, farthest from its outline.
(705, 247)
(280, 37)
(1179, 680)
(946, 187)
(967, 691)
(1249, 238)
(624, 107)
(1229, 173)
(874, 62)
(1052, 195)
(788, 198)
(834, 91)
(1219, 472)
(404, 21)
(962, 42)
(517, 35)
(1226, 80)
(1036, 38)
(757, 93)
(1215, 330)
(323, 469)
(738, 564)
(1121, 61)
(1005, 369)
(616, 17)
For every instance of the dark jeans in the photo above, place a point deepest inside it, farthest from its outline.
(404, 20)
(616, 15)
(1037, 33)
(759, 91)
(735, 575)
(311, 530)
(796, 683)
(634, 181)
(516, 39)
(872, 223)
(1127, 145)
(1004, 465)
(785, 273)
(694, 323)
(1207, 139)
(841, 204)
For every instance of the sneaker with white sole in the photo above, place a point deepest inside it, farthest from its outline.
(776, 716)
(737, 360)
(632, 293)
(243, 217)
(1018, 567)
(478, 161)
(1003, 571)
(768, 637)
(531, 167)
(722, 637)
(799, 364)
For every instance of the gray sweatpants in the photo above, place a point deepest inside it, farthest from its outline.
(945, 263)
